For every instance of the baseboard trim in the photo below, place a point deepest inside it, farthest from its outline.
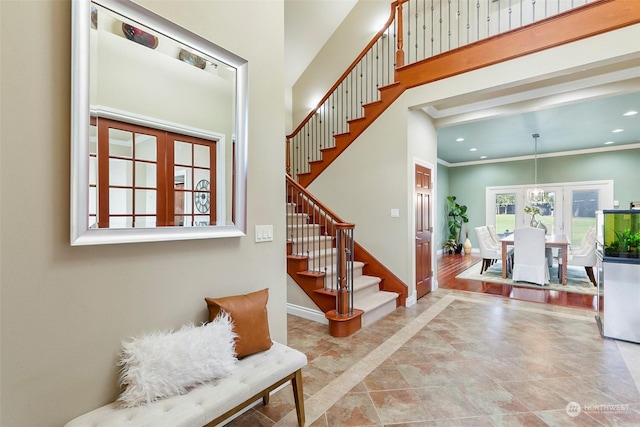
(411, 300)
(307, 313)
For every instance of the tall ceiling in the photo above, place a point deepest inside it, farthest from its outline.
(592, 113)
(308, 24)
(572, 112)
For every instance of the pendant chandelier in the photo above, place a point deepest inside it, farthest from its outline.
(535, 195)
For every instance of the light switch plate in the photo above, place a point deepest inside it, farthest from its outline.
(395, 213)
(264, 233)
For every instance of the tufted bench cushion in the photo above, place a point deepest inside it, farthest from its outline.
(209, 404)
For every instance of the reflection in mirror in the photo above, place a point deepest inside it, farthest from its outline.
(158, 129)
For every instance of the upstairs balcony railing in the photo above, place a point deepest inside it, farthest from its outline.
(416, 30)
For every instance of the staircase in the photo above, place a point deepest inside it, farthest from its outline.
(355, 127)
(312, 263)
(378, 76)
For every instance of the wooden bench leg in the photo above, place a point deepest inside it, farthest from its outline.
(589, 271)
(265, 398)
(298, 396)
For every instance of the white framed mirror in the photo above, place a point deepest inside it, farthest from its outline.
(158, 129)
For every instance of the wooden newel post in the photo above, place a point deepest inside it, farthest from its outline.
(288, 159)
(399, 51)
(343, 305)
(343, 302)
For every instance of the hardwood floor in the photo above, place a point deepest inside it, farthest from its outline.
(449, 266)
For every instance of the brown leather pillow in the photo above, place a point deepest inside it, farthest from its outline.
(250, 320)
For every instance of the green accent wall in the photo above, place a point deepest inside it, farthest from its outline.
(442, 191)
(469, 183)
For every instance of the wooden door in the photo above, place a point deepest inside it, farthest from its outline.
(424, 270)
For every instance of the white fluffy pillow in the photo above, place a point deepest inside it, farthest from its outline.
(164, 364)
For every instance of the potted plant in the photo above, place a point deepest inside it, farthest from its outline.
(457, 217)
(450, 246)
(533, 211)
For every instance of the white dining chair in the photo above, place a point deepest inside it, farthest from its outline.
(489, 252)
(586, 244)
(529, 258)
(583, 255)
(494, 236)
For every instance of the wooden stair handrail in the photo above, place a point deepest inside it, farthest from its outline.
(318, 203)
(391, 281)
(353, 65)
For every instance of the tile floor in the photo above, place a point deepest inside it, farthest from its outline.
(462, 359)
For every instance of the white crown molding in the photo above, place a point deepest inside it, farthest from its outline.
(546, 155)
(617, 82)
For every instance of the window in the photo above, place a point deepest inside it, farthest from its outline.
(505, 216)
(584, 205)
(142, 177)
(567, 208)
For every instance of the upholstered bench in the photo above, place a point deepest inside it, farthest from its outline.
(210, 404)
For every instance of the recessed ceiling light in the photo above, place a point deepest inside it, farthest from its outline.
(473, 149)
(483, 157)
(459, 139)
(609, 143)
(630, 113)
(617, 130)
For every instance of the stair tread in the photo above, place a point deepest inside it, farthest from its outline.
(373, 301)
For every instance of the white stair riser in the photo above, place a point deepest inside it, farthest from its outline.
(318, 262)
(372, 316)
(297, 219)
(361, 294)
(296, 232)
(361, 291)
(331, 274)
(319, 243)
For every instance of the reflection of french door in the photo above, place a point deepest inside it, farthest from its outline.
(142, 177)
(567, 208)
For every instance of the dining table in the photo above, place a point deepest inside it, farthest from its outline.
(550, 241)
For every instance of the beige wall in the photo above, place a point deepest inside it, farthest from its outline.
(374, 176)
(65, 310)
(356, 31)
